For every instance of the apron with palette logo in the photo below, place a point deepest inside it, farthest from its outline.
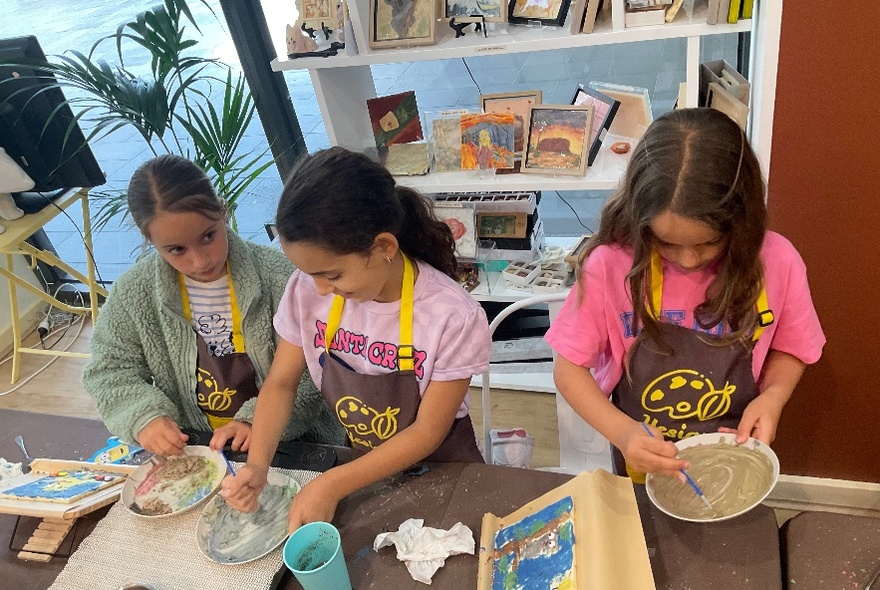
(699, 388)
(373, 408)
(223, 383)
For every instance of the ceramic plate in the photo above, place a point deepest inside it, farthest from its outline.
(228, 536)
(158, 490)
(734, 478)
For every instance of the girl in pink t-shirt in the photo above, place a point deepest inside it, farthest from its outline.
(688, 313)
(391, 339)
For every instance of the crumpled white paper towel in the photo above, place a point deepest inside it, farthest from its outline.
(425, 549)
(9, 470)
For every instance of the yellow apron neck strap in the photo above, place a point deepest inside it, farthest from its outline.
(237, 336)
(405, 351)
(765, 315)
(656, 284)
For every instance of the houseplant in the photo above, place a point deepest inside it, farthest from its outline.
(180, 103)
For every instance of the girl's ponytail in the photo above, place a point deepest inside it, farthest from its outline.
(422, 235)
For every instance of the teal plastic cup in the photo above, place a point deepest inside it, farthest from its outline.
(314, 554)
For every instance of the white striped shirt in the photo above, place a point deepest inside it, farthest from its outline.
(211, 310)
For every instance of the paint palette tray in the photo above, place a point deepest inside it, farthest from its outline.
(102, 492)
(521, 273)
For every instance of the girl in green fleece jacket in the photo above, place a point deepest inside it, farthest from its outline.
(185, 338)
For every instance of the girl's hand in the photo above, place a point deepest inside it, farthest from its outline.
(650, 454)
(162, 436)
(242, 490)
(760, 419)
(315, 502)
(239, 432)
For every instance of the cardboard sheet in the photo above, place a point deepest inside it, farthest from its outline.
(608, 551)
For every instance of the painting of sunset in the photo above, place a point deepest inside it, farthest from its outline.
(557, 139)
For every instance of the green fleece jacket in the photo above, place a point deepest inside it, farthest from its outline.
(144, 352)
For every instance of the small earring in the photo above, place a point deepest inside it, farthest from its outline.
(388, 259)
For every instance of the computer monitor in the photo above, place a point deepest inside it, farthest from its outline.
(37, 127)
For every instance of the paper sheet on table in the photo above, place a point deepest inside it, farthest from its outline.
(607, 548)
(424, 549)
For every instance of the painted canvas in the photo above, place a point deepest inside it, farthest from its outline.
(446, 143)
(315, 12)
(407, 159)
(487, 141)
(538, 551)
(401, 23)
(546, 12)
(586, 533)
(517, 103)
(395, 118)
(558, 140)
(604, 110)
(461, 219)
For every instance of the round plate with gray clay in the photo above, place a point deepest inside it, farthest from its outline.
(227, 536)
(734, 478)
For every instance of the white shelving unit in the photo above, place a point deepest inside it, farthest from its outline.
(343, 83)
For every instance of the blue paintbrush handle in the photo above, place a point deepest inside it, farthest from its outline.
(228, 464)
(687, 477)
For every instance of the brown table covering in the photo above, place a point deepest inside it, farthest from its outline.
(735, 554)
(827, 551)
(56, 437)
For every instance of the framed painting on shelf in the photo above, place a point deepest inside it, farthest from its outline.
(446, 143)
(545, 12)
(604, 109)
(558, 140)
(315, 13)
(487, 141)
(402, 23)
(395, 118)
(492, 10)
(517, 103)
(461, 220)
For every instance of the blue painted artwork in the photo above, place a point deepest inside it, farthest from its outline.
(62, 486)
(536, 553)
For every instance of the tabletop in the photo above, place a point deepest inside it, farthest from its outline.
(738, 553)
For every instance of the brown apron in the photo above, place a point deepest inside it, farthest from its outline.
(223, 383)
(699, 388)
(373, 408)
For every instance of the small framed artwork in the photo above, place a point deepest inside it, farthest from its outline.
(545, 12)
(634, 114)
(461, 219)
(446, 143)
(558, 140)
(517, 103)
(502, 225)
(493, 10)
(604, 109)
(407, 159)
(317, 13)
(395, 118)
(402, 23)
(487, 141)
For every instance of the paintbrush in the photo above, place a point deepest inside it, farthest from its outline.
(690, 481)
(228, 464)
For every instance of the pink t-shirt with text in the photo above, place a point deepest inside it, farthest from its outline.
(450, 330)
(597, 333)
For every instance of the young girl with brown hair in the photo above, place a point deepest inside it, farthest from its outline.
(688, 313)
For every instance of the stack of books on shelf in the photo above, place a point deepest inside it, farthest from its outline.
(728, 11)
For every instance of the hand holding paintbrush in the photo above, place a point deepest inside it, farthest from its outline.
(688, 479)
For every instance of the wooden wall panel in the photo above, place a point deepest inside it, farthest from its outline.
(824, 195)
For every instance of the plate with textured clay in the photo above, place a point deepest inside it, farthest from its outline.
(227, 536)
(734, 478)
(161, 489)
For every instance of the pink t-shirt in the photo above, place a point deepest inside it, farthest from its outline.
(597, 334)
(450, 330)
